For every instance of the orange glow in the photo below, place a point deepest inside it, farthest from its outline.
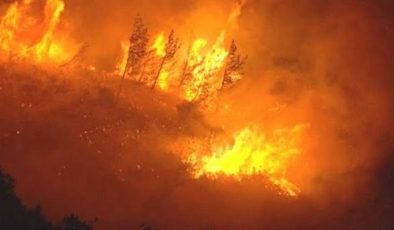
(164, 80)
(253, 153)
(22, 36)
(159, 45)
(201, 73)
(159, 48)
(121, 66)
(206, 67)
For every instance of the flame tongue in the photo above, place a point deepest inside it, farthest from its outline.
(202, 73)
(45, 48)
(205, 68)
(18, 32)
(253, 153)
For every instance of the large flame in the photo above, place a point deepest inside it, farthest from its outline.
(204, 62)
(206, 66)
(122, 64)
(159, 45)
(253, 153)
(25, 37)
(159, 48)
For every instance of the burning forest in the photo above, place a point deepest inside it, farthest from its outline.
(167, 114)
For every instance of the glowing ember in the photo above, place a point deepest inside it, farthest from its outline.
(253, 153)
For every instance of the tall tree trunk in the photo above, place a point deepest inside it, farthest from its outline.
(198, 92)
(186, 65)
(122, 79)
(143, 68)
(224, 78)
(158, 72)
(78, 55)
(183, 76)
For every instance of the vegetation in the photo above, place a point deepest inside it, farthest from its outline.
(137, 49)
(172, 45)
(204, 72)
(14, 215)
(234, 67)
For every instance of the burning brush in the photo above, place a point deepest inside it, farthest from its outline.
(206, 69)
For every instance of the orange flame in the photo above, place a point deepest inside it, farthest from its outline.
(46, 48)
(121, 66)
(253, 153)
(204, 64)
(159, 45)
(20, 34)
(206, 68)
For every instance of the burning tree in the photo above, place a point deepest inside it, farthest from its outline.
(171, 47)
(137, 49)
(40, 41)
(148, 59)
(234, 67)
(138, 46)
(78, 57)
(186, 72)
(200, 78)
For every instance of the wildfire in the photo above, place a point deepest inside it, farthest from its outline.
(25, 37)
(207, 67)
(159, 45)
(159, 48)
(253, 153)
(121, 66)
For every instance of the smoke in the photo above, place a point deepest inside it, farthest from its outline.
(328, 64)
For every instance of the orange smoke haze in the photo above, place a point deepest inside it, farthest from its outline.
(304, 139)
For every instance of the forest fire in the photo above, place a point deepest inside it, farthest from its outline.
(253, 153)
(197, 114)
(24, 37)
(205, 70)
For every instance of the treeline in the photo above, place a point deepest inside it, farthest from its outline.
(144, 66)
(16, 216)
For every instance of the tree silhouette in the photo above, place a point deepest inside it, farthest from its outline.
(186, 71)
(14, 215)
(234, 67)
(144, 75)
(73, 222)
(172, 45)
(137, 50)
(138, 46)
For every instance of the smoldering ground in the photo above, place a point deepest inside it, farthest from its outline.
(326, 64)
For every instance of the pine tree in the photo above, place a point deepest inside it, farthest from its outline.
(234, 66)
(145, 63)
(186, 70)
(137, 50)
(172, 46)
(138, 45)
